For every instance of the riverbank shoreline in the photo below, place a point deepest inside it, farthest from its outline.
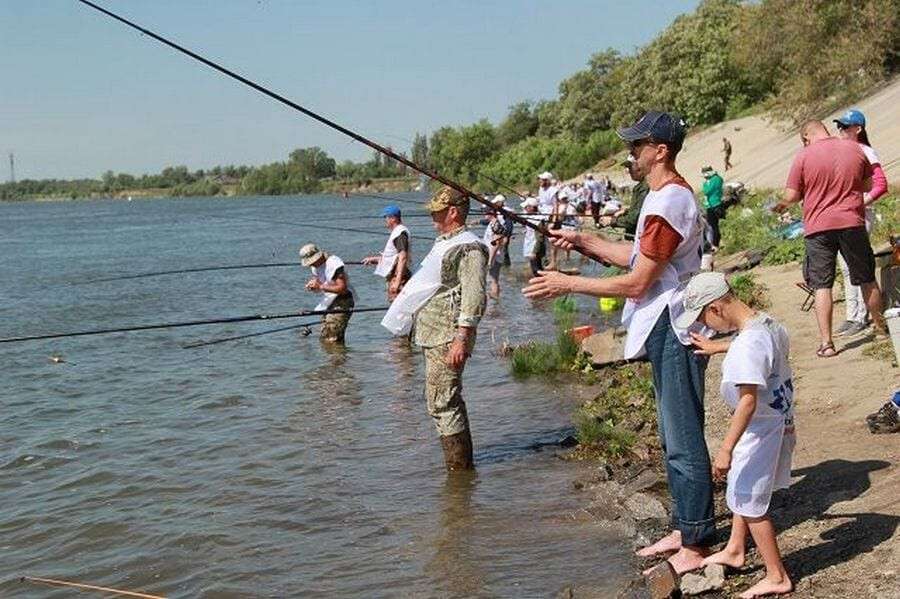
(839, 522)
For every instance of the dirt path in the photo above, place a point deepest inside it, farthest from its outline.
(840, 520)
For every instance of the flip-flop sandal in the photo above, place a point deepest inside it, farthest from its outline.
(826, 351)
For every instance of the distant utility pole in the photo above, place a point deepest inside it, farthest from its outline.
(12, 167)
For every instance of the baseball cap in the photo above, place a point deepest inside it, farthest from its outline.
(391, 210)
(563, 194)
(661, 126)
(529, 202)
(310, 254)
(702, 290)
(852, 117)
(546, 175)
(498, 199)
(444, 198)
(707, 171)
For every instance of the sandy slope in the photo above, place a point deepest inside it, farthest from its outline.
(762, 150)
(840, 520)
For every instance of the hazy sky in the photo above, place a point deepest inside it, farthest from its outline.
(81, 94)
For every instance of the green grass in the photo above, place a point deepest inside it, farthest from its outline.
(621, 416)
(537, 358)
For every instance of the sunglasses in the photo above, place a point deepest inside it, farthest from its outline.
(637, 144)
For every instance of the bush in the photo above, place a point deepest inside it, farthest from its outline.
(749, 291)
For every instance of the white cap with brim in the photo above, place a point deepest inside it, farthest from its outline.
(546, 175)
(529, 202)
(498, 200)
(702, 290)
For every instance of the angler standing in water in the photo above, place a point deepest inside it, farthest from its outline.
(329, 278)
(393, 263)
(446, 299)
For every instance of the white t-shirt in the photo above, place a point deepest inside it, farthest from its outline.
(759, 356)
(761, 459)
(546, 198)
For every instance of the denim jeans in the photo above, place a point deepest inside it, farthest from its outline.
(678, 381)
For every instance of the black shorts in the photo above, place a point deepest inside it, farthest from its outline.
(821, 257)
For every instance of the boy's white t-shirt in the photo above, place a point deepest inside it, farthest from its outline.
(761, 460)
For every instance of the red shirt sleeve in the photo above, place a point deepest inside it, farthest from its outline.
(795, 176)
(659, 240)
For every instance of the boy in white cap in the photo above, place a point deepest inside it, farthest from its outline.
(756, 452)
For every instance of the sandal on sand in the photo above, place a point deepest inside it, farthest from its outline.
(826, 351)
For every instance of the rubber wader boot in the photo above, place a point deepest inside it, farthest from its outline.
(458, 451)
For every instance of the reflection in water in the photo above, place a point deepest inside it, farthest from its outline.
(454, 566)
(333, 381)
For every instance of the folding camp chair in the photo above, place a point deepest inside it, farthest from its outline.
(810, 300)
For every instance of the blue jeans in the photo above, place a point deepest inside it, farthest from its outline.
(678, 381)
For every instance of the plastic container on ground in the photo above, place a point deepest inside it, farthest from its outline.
(892, 317)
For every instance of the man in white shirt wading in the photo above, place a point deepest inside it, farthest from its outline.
(665, 253)
(330, 279)
(393, 262)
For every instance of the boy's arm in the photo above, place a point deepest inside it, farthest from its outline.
(739, 420)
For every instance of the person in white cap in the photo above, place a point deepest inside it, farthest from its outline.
(758, 387)
(496, 241)
(330, 279)
(597, 191)
(533, 246)
(546, 193)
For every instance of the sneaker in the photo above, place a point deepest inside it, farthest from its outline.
(885, 420)
(855, 328)
(843, 328)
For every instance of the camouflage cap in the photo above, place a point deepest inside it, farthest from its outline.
(444, 198)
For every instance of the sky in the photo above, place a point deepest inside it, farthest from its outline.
(82, 94)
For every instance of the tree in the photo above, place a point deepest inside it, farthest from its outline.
(312, 163)
(520, 122)
(583, 106)
(460, 153)
(419, 149)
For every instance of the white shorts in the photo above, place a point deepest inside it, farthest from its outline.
(760, 464)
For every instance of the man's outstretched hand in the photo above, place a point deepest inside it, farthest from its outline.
(548, 284)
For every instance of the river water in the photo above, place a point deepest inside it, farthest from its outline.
(271, 466)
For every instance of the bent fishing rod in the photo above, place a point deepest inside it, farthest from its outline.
(317, 117)
(303, 325)
(189, 323)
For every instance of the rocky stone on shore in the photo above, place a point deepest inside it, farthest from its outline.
(712, 578)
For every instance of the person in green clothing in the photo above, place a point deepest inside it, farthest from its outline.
(627, 218)
(715, 210)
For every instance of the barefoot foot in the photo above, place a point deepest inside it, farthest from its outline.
(667, 544)
(727, 557)
(685, 560)
(768, 586)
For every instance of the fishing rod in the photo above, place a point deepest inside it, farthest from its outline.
(86, 587)
(302, 325)
(189, 323)
(315, 116)
(316, 225)
(160, 273)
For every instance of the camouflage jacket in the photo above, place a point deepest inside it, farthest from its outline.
(460, 300)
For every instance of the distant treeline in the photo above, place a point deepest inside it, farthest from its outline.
(795, 58)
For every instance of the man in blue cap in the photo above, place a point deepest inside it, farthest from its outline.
(393, 262)
(665, 253)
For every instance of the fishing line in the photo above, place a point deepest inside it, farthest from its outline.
(316, 225)
(313, 115)
(190, 323)
(302, 325)
(87, 587)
